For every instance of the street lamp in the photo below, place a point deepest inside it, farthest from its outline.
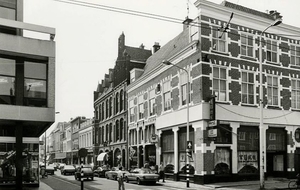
(187, 115)
(261, 135)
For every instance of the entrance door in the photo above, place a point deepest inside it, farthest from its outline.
(275, 164)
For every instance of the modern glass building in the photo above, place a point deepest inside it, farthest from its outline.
(27, 89)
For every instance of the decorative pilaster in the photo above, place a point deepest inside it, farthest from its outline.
(175, 131)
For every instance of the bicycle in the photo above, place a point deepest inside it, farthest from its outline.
(295, 184)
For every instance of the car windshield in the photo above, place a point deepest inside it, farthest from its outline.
(69, 167)
(146, 171)
(86, 169)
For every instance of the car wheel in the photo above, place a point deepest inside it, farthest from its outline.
(75, 178)
(107, 177)
(139, 181)
(126, 179)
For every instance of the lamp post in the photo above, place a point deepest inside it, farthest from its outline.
(261, 128)
(187, 116)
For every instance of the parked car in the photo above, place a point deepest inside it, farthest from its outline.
(50, 170)
(100, 171)
(67, 169)
(61, 165)
(54, 166)
(141, 175)
(113, 173)
(87, 173)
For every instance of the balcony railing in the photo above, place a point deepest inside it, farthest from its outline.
(28, 27)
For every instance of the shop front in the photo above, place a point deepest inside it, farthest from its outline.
(132, 156)
(8, 162)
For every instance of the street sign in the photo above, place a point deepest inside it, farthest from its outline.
(212, 123)
(189, 145)
(212, 133)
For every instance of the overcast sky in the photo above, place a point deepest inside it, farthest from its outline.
(87, 39)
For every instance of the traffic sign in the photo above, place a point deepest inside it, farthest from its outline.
(212, 123)
(189, 145)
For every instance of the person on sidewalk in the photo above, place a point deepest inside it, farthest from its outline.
(120, 179)
(161, 172)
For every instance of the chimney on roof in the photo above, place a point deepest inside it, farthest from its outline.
(156, 47)
(142, 46)
(186, 22)
(275, 14)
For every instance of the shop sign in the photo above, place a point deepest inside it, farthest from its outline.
(212, 123)
(212, 133)
(247, 156)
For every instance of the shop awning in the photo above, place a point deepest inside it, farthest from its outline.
(60, 157)
(101, 156)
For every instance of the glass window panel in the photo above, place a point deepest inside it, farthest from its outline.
(7, 85)
(293, 60)
(250, 40)
(244, 88)
(298, 51)
(243, 50)
(35, 70)
(244, 98)
(275, 81)
(268, 44)
(274, 46)
(215, 84)
(297, 61)
(268, 55)
(251, 77)
(274, 57)
(243, 39)
(35, 88)
(222, 45)
(7, 67)
(250, 89)
(250, 51)
(223, 85)
(216, 72)
(223, 73)
(244, 76)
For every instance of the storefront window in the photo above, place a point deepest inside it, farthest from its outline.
(222, 161)
(224, 134)
(29, 161)
(297, 135)
(248, 146)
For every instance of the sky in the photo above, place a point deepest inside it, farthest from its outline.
(87, 39)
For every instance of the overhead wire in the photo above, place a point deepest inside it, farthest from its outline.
(161, 17)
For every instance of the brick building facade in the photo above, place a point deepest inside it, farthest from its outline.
(222, 60)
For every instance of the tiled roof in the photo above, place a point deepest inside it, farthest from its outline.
(247, 10)
(167, 51)
(138, 54)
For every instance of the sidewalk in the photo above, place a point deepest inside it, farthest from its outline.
(42, 186)
(270, 184)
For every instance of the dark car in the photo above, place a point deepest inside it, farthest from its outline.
(84, 172)
(100, 171)
(67, 169)
(50, 170)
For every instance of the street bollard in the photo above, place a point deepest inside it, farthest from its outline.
(81, 179)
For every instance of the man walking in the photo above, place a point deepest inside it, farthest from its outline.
(121, 179)
(161, 172)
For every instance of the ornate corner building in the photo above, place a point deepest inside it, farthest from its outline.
(218, 55)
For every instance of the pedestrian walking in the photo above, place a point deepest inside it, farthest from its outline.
(121, 179)
(161, 172)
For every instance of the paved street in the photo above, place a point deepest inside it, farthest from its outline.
(60, 182)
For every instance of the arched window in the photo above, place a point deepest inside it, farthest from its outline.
(107, 133)
(107, 108)
(117, 130)
(121, 129)
(102, 134)
(121, 100)
(110, 132)
(102, 111)
(110, 106)
(117, 102)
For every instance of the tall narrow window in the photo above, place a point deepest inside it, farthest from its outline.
(219, 83)
(247, 88)
(273, 90)
(107, 108)
(117, 130)
(117, 102)
(35, 82)
(7, 81)
(218, 40)
(141, 107)
(295, 55)
(247, 45)
(271, 50)
(296, 94)
(121, 100)
(110, 106)
(131, 111)
(184, 81)
(167, 95)
(152, 102)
